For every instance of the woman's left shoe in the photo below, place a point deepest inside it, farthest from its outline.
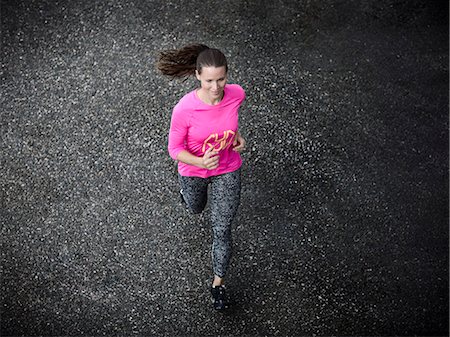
(219, 298)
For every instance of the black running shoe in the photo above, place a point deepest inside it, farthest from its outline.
(219, 298)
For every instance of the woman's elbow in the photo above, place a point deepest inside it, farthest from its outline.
(173, 153)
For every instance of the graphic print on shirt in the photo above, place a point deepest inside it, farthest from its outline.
(218, 144)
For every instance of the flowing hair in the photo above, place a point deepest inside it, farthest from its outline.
(179, 63)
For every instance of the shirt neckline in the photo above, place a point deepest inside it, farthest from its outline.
(210, 105)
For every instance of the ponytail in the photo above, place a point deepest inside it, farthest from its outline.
(178, 63)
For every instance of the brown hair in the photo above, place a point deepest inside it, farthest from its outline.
(183, 62)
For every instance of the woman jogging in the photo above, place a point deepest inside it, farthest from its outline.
(205, 140)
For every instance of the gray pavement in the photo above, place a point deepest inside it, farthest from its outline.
(343, 226)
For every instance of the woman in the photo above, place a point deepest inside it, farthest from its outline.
(205, 141)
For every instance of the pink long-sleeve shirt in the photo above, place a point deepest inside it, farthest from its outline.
(197, 126)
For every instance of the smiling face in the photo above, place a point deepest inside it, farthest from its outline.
(212, 81)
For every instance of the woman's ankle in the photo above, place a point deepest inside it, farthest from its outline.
(218, 281)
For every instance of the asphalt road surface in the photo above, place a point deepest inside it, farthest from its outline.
(343, 226)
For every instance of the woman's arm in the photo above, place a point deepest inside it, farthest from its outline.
(210, 159)
(238, 143)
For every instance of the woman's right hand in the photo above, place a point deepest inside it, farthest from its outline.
(210, 160)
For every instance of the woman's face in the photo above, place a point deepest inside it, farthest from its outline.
(212, 80)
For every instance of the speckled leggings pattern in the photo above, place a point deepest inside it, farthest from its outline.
(224, 200)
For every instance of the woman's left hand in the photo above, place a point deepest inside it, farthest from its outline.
(238, 143)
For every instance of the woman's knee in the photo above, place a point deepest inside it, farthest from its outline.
(197, 207)
(197, 210)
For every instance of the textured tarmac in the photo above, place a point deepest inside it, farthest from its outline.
(343, 226)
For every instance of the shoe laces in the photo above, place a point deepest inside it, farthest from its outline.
(220, 292)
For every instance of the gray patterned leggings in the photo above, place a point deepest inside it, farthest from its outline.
(224, 197)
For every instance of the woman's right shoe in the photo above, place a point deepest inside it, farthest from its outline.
(219, 298)
(182, 198)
